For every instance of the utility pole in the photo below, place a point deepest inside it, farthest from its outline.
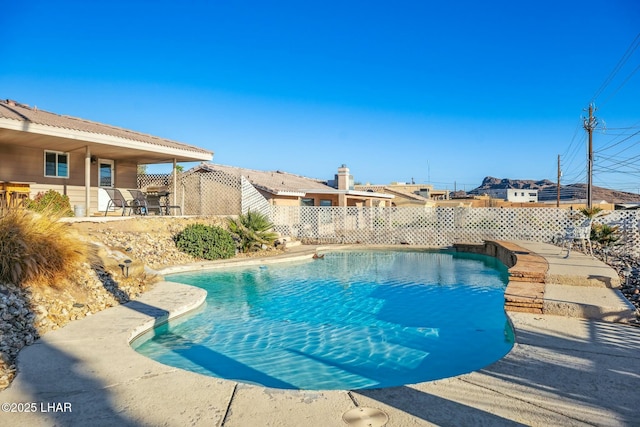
(589, 124)
(559, 175)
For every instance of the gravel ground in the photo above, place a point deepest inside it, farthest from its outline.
(628, 268)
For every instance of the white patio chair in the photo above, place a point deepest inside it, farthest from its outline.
(578, 233)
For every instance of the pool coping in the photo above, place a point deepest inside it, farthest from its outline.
(90, 365)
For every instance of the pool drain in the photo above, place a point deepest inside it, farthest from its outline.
(365, 417)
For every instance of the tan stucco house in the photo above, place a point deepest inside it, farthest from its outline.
(75, 156)
(285, 189)
(409, 195)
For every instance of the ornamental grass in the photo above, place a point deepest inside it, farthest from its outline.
(37, 249)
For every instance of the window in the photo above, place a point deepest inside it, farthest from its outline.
(56, 164)
(306, 201)
(325, 202)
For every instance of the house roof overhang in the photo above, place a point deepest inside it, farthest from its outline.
(288, 193)
(24, 126)
(35, 135)
(350, 193)
(369, 194)
(287, 185)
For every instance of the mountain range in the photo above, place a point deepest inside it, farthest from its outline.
(548, 190)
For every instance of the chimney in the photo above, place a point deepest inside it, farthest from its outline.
(345, 181)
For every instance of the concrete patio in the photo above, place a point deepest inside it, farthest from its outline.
(562, 371)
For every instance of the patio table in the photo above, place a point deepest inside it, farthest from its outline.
(159, 196)
(16, 193)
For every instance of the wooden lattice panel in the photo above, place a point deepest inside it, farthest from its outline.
(252, 200)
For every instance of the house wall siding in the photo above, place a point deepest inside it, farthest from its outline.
(295, 201)
(281, 200)
(75, 193)
(21, 164)
(24, 164)
(317, 197)
(27, 165)
(126, 175)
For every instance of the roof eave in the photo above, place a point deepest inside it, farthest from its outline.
(369, 194)
(289, 193)
(102, 139)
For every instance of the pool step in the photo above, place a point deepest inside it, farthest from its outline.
(525, 297)
(578, 286)
(527, 271)
(588, 303)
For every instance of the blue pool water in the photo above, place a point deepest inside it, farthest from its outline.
(352, 320)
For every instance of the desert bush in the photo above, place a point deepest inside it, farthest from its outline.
(206, 242)
(605, 235)
(251, 230)
(35, 248)
(51, 201)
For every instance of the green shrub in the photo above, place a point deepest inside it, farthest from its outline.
(206, 242)
(51, 201)
(251, 231)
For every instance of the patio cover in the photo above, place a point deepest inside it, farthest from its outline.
(31, 127)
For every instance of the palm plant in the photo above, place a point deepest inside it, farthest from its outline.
(591, 212)
(251, 231)
(606, 236)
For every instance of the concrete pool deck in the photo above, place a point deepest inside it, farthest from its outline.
(562, 371)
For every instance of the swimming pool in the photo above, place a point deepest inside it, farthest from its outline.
(353, 320)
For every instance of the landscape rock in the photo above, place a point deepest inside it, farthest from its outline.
(28, 312)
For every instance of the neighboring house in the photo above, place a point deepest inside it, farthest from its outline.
(285, 189)
(75, 156)
(402, 198)
(627, 206)
(514, 195)
(577, 204)
(409, 195)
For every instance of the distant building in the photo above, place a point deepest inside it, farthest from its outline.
(285, 189)
(514, 195)
(406, 195)
(627, 206)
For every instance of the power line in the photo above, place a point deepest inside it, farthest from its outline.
(632, 47)
(620, 87)
(573, 139)
(570, 169)
(618, 143)
(614, 142)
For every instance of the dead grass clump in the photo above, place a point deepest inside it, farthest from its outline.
(37, 249)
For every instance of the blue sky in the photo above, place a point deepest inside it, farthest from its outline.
(438, 92)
